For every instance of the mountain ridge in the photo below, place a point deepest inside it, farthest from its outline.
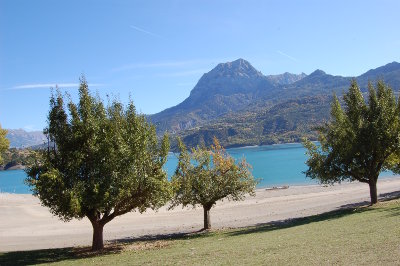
(229, 87)
(20, 138)
(234, 86)
(219, 102)
(240, 105)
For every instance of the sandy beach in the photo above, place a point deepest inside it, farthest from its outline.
(26, 225)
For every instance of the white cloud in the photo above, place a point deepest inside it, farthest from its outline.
(51, 85)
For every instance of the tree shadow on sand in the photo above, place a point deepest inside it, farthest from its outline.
(162, 240)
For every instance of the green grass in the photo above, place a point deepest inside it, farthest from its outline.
(367, 235)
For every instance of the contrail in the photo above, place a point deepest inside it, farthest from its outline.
(145, 31)
(286, 55)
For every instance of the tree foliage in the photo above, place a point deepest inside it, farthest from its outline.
(360, 141)
(4, 143)
(205, 176)
(101, 162)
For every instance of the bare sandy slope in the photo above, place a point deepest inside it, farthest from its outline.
(26, 225)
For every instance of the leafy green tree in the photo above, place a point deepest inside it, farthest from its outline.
(205, 176)
(101, 162)
(4, 143)
(360, 141)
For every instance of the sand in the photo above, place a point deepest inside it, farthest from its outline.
(26, 225)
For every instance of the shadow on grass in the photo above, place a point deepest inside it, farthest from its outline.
(147, 241)
(276, 225)
(33, 257)
(173, 236)
(342, 211)
(381, 198)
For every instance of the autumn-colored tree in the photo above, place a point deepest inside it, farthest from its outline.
(205, 176)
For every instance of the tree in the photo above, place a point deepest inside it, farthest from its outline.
(101, 162)
(4, 143)
(205, 176)
(360, 141)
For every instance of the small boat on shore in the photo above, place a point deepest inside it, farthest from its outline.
(275, 188)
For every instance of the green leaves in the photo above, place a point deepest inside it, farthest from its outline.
(100, 160)
(205, 176)
(4, 142)
(361, 140)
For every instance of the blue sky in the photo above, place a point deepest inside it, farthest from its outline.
(156, 51)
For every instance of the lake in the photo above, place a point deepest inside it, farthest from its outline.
(275, 165)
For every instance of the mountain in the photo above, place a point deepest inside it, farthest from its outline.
(20, 138)
(227, 88)
(285, 78)
(238, 104)
(389, 72)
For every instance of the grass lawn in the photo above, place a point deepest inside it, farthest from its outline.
(367, 235)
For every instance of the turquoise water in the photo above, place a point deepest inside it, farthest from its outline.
(275, 165)
(13, 182)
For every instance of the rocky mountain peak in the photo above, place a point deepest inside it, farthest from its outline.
(317, 72)
(237, 68)
(237, 87)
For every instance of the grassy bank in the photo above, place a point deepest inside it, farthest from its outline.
(368, 235)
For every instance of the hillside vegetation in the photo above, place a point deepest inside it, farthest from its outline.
(286, 122)
(16, 158)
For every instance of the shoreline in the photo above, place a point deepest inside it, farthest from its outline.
(15, 167)
(276, 186)
(26, 225)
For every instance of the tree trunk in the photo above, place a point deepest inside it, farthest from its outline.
(97, 243)
(207, 222)
(373, 192)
